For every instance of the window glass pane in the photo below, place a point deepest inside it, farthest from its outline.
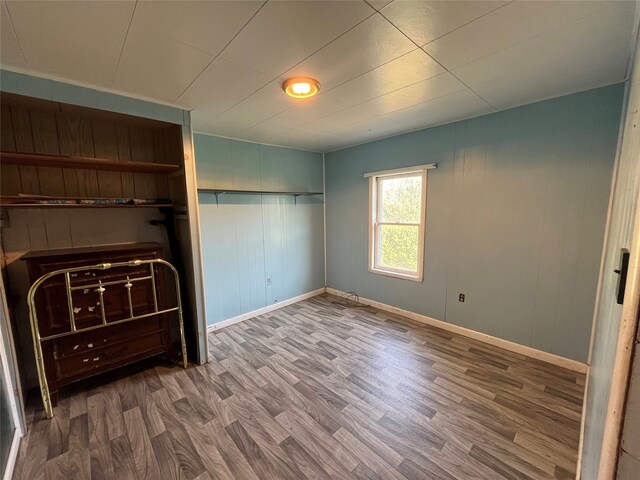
(400, 199)
(398, 247)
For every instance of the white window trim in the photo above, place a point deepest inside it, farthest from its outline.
(373, 205)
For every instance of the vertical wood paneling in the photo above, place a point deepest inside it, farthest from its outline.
(622, 230)
(76, 137)
(228, 246)
(57, 228)
(145, 185)
(141, 144)
(109, 184)
(7, 139)
(45, 137)
(173, 145)
(88, 183)
(45, 141)
(515, 219)
(222, 166)
(209, 227)
(203, 145)
(124, 146)
(9, 174)
(10, 180)
(128, 188)
(34, 126)
(159, 153)
(22, 129)
(257, 249)
(105, 139)
(24, 143)
(71, 185)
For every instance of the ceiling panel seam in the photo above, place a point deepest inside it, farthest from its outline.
(379, 115)
(15, 32)
(377, 9)
(289, 68)
(435, 60)
(468, 23)
(360, 103)
(344, 83)
(220, 52)
(520, 42)
(124, 43)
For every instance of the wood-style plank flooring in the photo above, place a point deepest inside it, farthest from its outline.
(319, 390)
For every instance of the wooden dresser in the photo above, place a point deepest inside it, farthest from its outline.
(76, 357)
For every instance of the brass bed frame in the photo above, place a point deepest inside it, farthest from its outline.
(100, 289)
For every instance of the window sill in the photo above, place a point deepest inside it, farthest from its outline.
(402, 276)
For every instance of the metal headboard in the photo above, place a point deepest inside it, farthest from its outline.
(100, 289)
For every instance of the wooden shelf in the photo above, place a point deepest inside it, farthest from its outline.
(85, 163)
(255, 192)
(67, 202)
(49, 206)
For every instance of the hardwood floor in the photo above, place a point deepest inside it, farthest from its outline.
(319, 390)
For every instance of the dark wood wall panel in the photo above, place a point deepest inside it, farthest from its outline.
(29, 127)
(22, 130)
(7, 140)
(105, 139)
(45, 139)
(75, 135)
(124, 146)
(9, 173)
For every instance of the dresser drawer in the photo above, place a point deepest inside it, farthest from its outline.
(86, 353)
(85, 341)
(96, 360)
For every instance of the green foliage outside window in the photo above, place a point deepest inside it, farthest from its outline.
(400, 203)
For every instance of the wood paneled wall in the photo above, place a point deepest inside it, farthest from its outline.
(236, 165)
(258, 249)
(51, 128)
(515, 219)
(24, 230)
(44, 127)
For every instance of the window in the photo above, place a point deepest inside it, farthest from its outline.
(396, 229)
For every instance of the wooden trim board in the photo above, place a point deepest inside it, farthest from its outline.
(567, 363)
(195, 240)
(13, 455)
(70, 161)
(623, 360)
(263, 310)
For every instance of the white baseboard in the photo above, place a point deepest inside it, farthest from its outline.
(13, 455)
(262, 311)
(567, 363)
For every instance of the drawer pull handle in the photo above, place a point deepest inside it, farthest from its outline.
(85, 360)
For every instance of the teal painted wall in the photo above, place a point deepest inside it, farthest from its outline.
(516, 212)
(46, 89)
(258, 249)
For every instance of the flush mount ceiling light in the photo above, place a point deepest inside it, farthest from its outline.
(301, 87)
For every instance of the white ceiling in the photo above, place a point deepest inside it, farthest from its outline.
(385, 67)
